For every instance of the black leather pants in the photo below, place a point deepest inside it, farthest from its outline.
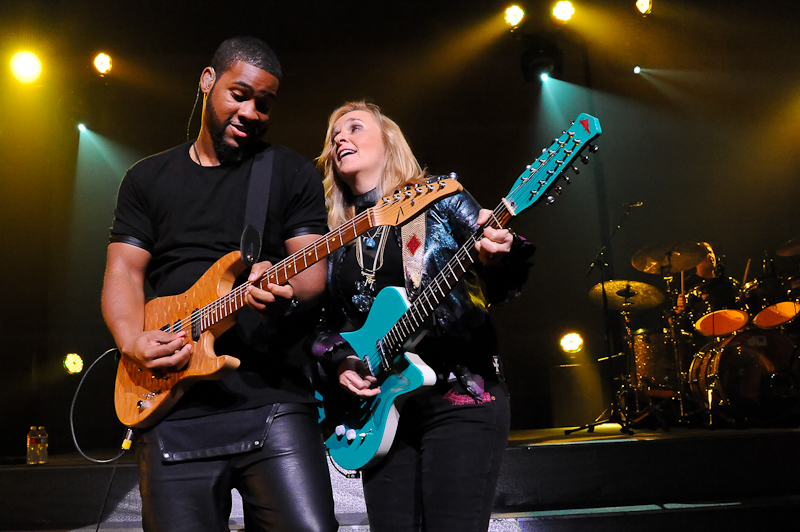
(285, 485)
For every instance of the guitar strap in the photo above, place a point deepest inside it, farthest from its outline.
(255, 213)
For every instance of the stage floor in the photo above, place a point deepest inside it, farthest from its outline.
(688, 479)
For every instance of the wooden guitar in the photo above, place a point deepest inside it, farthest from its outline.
(209, 307)
(359, 432)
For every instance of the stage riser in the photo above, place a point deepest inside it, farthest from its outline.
(739, 466)
(742, 466)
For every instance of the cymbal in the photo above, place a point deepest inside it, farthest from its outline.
(669, 257)
(790, 248)
(627, 295)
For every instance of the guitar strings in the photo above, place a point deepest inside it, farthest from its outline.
(225, 305)
(395, 334)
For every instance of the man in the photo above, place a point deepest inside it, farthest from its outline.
(177, 213)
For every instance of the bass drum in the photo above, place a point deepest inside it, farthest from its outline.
(716, 307)
(751, 376)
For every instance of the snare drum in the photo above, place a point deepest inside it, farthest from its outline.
(769, 302)
(751, 375)
(716, 307)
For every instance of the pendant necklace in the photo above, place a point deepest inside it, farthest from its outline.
(366, 287)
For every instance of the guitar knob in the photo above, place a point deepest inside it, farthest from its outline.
(340, 431)
(550, 200)
(593, 148)
(350, 435)
(585, 159)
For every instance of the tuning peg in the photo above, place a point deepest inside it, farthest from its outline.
(593, 148)
(585, 159)
(566, 180)
(575, 169)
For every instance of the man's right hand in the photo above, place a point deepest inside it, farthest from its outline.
(159, 351)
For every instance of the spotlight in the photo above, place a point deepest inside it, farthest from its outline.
(542, 56)
(563, 11)
(572, 343)
(544, 77)
(644, 6)
(103, 63)
(637, 70)
(514, 15)
(26, 67)
(81, 128)
(73, 363)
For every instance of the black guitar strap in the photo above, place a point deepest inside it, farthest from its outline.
(255, 213)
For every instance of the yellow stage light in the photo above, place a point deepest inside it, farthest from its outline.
(73, 363)
(563, 11)
(26, 67)
(572, 343)
(103, 63)
(644, 6)
(514, 15)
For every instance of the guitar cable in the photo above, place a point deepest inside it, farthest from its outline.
(126, 442)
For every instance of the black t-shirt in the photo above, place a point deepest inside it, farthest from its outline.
(188, 217)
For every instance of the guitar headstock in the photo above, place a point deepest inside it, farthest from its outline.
(409, 201)
(533, 184)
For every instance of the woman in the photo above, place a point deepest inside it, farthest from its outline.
(442, 469)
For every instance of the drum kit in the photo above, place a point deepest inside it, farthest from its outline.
(724, 352)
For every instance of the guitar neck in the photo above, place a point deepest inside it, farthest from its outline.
(280, 273)
(433, 294)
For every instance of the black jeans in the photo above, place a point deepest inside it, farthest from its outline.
(442, 470)
(285, 485)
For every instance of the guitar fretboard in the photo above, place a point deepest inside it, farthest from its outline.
(206, 317)
(441, 285)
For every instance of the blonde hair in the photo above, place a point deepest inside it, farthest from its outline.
(399, 167)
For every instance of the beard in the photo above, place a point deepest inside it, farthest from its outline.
(226, 153)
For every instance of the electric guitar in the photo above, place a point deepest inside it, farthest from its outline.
(209, 307)
(358, 432)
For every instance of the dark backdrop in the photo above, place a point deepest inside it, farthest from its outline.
(705, 138)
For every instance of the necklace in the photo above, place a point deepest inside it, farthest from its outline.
(366, 287)
(194, 147)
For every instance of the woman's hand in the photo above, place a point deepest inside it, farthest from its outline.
(351, 378)
(495, 242)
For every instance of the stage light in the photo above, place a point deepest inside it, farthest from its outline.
(26, 67)
(572, 343)
(644, 6)
(73, 363)
(542, 59)
(81, 128)
(563, 11)
(637, 70)
(103, 63)
(514, 15)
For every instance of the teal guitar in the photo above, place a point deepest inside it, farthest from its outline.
(359, 432)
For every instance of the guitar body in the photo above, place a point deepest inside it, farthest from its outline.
(141, 397)
(374, 420)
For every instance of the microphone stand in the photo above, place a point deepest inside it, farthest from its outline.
(614, 411)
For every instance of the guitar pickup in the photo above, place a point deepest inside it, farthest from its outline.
(196, 325)
(384, 359)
